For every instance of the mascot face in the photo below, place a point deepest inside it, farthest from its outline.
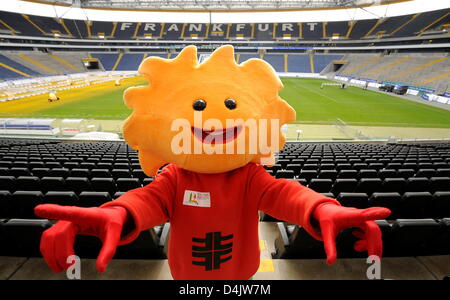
(211, 117)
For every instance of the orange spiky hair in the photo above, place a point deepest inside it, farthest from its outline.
(176, 84)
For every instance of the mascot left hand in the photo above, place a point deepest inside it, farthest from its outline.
(333, 218)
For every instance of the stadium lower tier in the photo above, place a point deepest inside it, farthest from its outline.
(412, 179)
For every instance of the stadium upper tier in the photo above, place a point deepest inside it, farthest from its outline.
(433, 22)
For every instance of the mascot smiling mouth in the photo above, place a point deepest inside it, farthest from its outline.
(217, 136)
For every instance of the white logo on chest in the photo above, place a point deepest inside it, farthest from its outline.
(199, 199)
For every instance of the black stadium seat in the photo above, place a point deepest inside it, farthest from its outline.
(427, 173)
(103, 173)
(71, 165)
(126, 184)
(344, 173)
(120, 173)
(59, 172)
(440, 206)
(104, 165)
(285, 174)
(358, 200)
(121, 166)
(440, 184)
(40, 172)
(327, 174)
(52, 164)
(61, 198)
(5, 164)
(413, 237)
(359, 166)
(53, 184)
(6, 210)
(80, 172)
(138, 173)
(87, 165)
(393, 185)
(78, 184)
(376, 166)
(310, 166)
(388, 200)
(443, 240)
(295, 242)
(28, 183)
(387, 173)
(24, 203)
(275, 168)
(93, 199)
(415, 205)
(320, 185)
(405, 173)
(443, 172)
(19, 237)
(368, 185)
(100, 184)
(346, 185)
(367, 173)
(147, 180)
(344, 166)
(417, 184)
(308, 174)
(118, 194)
(8, 183)
(16, 172)
(283, 162)
(294, 167)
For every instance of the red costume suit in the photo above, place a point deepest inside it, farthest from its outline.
(229, 213)
(211, 199)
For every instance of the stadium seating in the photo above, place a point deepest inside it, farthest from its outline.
(399, 26)
(410, 179)
(11, 69)
(322, 61)
(299, 63)
(107, 59)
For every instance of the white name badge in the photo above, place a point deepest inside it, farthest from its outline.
(199, 199)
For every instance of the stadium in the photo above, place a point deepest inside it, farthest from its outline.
(369, 81)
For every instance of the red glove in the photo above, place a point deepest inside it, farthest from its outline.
(57, 242)
(334, 218)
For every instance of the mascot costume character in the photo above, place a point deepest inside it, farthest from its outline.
(200, 121)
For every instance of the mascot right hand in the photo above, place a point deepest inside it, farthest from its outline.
(57, 242)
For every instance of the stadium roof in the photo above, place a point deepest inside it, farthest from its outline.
(218, 5)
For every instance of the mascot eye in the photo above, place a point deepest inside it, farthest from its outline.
(199, 105)
(230, 103)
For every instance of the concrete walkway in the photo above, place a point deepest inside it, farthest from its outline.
(399, 268)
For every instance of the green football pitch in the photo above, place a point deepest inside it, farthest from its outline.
(356, 106)
(314, 105)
